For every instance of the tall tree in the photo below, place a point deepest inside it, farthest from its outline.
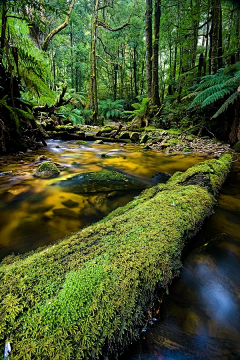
(215, 53)
(155, 100)
(148, 35)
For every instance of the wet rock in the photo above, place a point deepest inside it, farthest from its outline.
(98, 142)
(160, 177)
(124, 135)
(6, 173)
(134, 136)
(70, 204)
(101, 181)
(65, 213)
(81, 142)
(47, 170)
(43, 158)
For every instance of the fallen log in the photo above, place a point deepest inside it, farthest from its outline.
(89, 294)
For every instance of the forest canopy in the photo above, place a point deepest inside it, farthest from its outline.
(171, 63)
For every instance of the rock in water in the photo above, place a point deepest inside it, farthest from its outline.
(99, 181)
(47, 170)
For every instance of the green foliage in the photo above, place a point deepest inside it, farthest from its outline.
(140, 109)
(111, 109)
(224, 86)
(78, 116)
(93, 289)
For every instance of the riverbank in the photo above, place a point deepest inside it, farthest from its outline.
(78, 297)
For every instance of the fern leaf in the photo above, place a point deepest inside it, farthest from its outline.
(226, 104)
(216, 96)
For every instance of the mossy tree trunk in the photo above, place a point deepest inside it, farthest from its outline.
(90, 294)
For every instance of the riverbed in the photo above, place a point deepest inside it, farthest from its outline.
(200, 317)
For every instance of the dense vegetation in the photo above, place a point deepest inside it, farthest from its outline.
(93, 292)
(87, 62)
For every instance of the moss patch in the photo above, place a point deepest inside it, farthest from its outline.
(90, 292)
(47, 170)
(98, 181)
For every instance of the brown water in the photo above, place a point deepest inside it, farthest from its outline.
(34, 213)
(200, 317)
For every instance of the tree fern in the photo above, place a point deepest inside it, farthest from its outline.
(212, 89)
(231, 100)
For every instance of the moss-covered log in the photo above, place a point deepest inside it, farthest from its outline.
(90, 292)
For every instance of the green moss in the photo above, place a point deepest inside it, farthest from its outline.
(236, 147)
(174, 142)
(94, 287)
(81, 142)
(47, 169)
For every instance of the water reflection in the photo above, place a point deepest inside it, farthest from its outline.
(34, 213)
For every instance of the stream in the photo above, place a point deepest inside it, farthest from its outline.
(200, 317)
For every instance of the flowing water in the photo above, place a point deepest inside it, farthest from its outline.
(34, 213)
(200, 319)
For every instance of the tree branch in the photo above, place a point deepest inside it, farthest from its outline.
(59, 28)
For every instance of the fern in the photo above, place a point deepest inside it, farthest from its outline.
(111, 109)
(231, 100)
(221, 86)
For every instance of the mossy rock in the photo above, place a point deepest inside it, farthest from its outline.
(134, 136)
(144, 139)
(124, 135)
(108, 128)
(81, 142)
(236, 147)
(89, 295)
(101, 181)
(47, 170)
(98, 142)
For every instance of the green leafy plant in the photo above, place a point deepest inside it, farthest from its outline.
(224, 86)
(78, 116)
(111, 109)
(140, 109)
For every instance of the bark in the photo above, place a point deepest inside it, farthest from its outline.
(93, 79)
(237, 32)
(148, 35)
(135, 71)
(215, 41)
(58, 29)
(155, 99)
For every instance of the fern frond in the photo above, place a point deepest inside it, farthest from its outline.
(226, 104)
(214, 80)
(216, 96)
(205, 94)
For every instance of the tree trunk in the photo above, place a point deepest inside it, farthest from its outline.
(148, 35)
(155, 100)
(215, 42)
(135, 70)
(93, 79)
(237, 32)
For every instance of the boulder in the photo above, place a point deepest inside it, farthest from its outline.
(134, 136)
(47, 170)
(100, 181)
